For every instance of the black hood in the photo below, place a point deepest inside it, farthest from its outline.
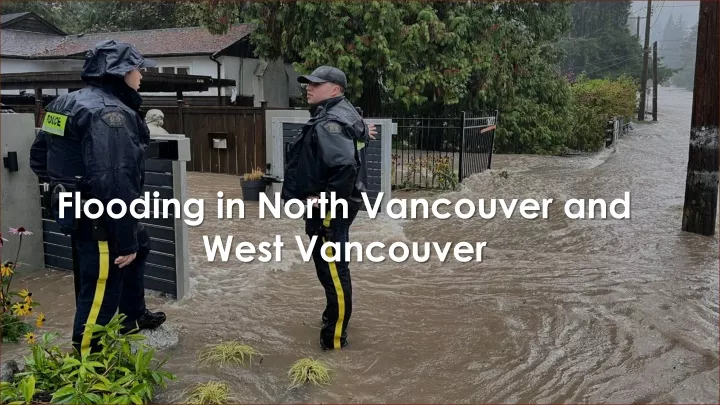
(107, 64)
(112, 58)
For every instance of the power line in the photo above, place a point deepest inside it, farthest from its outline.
(658, 14)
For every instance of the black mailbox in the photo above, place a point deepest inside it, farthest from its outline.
(11, 161)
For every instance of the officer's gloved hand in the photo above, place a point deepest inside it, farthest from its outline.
(123, 261)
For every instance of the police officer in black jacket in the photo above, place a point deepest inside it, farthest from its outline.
(329, 157)
(93, 141)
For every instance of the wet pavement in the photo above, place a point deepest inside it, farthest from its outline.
(558, 311)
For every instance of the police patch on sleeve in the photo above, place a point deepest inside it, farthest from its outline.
(54, 123)
(114, 119)
(333, 127)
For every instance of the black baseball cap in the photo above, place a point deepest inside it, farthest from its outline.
(325, 74)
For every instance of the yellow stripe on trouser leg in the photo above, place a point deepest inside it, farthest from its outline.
(104, 263)
(338, 290)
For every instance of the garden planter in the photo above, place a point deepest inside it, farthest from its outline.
(252, 189)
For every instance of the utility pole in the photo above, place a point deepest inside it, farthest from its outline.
(655, 81)
(644, 76)
(701, 186)
(637, 33)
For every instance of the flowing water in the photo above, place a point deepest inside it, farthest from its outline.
(558, 311)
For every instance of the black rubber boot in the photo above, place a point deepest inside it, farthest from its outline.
(148, 320)
(343, 343)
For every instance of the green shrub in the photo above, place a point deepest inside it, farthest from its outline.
(594, 103)
(123, 371)
(537, 119)
(532, 127)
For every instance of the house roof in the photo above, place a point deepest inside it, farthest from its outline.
(162, 42)
(151, 43)
(6, 18)
(26, 43)
(29, 21)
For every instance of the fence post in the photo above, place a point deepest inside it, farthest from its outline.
(492, 141)
(180, 105)
(462, 147)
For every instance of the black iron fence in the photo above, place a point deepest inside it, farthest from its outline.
(425, 152)
(477, 143)
(439, 152)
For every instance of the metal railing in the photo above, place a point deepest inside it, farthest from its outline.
(425, 152)
(439, 152)
(478, 138)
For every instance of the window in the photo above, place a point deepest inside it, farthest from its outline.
(179, 70)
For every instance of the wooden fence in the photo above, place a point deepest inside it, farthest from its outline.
(239, 133)
(241, 128)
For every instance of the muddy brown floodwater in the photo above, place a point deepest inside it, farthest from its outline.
(558, 311)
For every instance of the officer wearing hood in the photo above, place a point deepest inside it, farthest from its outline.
(328, 157)
(93, 141)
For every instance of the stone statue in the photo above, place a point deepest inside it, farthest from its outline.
(154, 120)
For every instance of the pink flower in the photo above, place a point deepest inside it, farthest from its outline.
(20, 231)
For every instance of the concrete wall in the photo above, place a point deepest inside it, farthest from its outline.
(275, 85)
(294, 89)
(20, 199)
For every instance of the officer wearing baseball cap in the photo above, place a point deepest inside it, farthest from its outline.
(328, 156)
(325, 74)
(93, 141)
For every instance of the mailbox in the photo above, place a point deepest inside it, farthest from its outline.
(220, 140)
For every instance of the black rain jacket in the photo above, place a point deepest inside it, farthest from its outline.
(329, 155)
(99, 134)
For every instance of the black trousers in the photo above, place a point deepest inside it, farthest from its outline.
(102, 289)
(333, 275)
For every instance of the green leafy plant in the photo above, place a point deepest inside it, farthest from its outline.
(594, 103)
(443, 173)
(228, 352)
(308, 371)
(212, 392)
(13, 313)
(114, 374)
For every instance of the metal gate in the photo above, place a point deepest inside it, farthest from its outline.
(476, 150)
(165, 268)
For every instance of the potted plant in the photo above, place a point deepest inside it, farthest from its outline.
(253, 184)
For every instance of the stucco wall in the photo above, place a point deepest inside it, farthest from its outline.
(20, 202)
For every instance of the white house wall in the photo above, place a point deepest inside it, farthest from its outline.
(8, 65)
(198, 65)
